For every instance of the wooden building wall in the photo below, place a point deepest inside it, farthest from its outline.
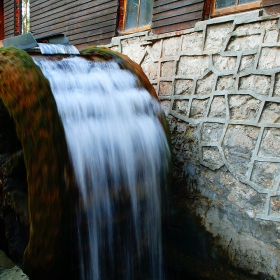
(271, 6)
(174, 15)
(84, 22)
(2, 34)
(9, 18)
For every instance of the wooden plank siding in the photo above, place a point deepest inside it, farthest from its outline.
(2, 34)
(174, 15)
(9, 18)
(271, 6)
(84, 22)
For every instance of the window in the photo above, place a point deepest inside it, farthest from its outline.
(135, 15)
(222, 7)
(25, 16)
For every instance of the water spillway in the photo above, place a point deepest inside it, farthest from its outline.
(117, 144)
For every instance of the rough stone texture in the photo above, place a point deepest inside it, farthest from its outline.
(216, 35)
(225, 83)
(183, 86)
(265, 173)
(198, 108)
(243, 107)
(270, 144)
(171, 46)
(167, 69)
(243, 43)
(246, 63)
(219, 86)
(269, 58)
(133, 49)
(10, 271)
(259, 84)
(192, 42)
(211, 155)
(205, 86)
(193, 65)
(149, 67)
(271, 113)
(165, 88)
(238, 146)
(224, 63)
(211, 132)
(276, 91)
(218, 107)
(181, 106)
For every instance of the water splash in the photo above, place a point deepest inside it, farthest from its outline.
(57, 49)
(120, 156)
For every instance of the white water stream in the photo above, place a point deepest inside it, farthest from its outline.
(120, 155)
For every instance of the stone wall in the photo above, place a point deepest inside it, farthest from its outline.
(219, 85)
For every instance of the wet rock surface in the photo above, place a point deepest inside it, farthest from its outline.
(9, 270)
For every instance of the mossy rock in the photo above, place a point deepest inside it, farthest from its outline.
(27, 96)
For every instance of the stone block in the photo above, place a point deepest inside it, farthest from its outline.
(243, 107)
(181, 106)
(165, 88)
(246, 63)
(165, 105)
(269, 24)
(150, 68)
(242, 43)
(241, 195)
(225, 83)
(156, 49)
(212, 132)
(270, 144)
(183, 86)
(115, 48)
(276, 91)
(192, 42)
(265, 174)
(198, 108)
(215, 36)
(205, 86)
(168, 69)
(259, 84)
(238, 145)
(275, 206)
(218, 107)
(211, 155)
(271, 113)
(133, 49)
(246, 28)
(171, 46)
(271, 36)
(193, 65)
(269, 58)
(224, 63)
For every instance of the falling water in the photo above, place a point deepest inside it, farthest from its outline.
(57, 49)
(120, 155)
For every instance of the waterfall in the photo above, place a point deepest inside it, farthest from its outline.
(120, 156)
(57, 49)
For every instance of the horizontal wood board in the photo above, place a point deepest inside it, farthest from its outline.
(9, 20)
(84, 22)
(169, 16)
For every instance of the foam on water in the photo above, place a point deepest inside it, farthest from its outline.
(120, 155)
(57, 49)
